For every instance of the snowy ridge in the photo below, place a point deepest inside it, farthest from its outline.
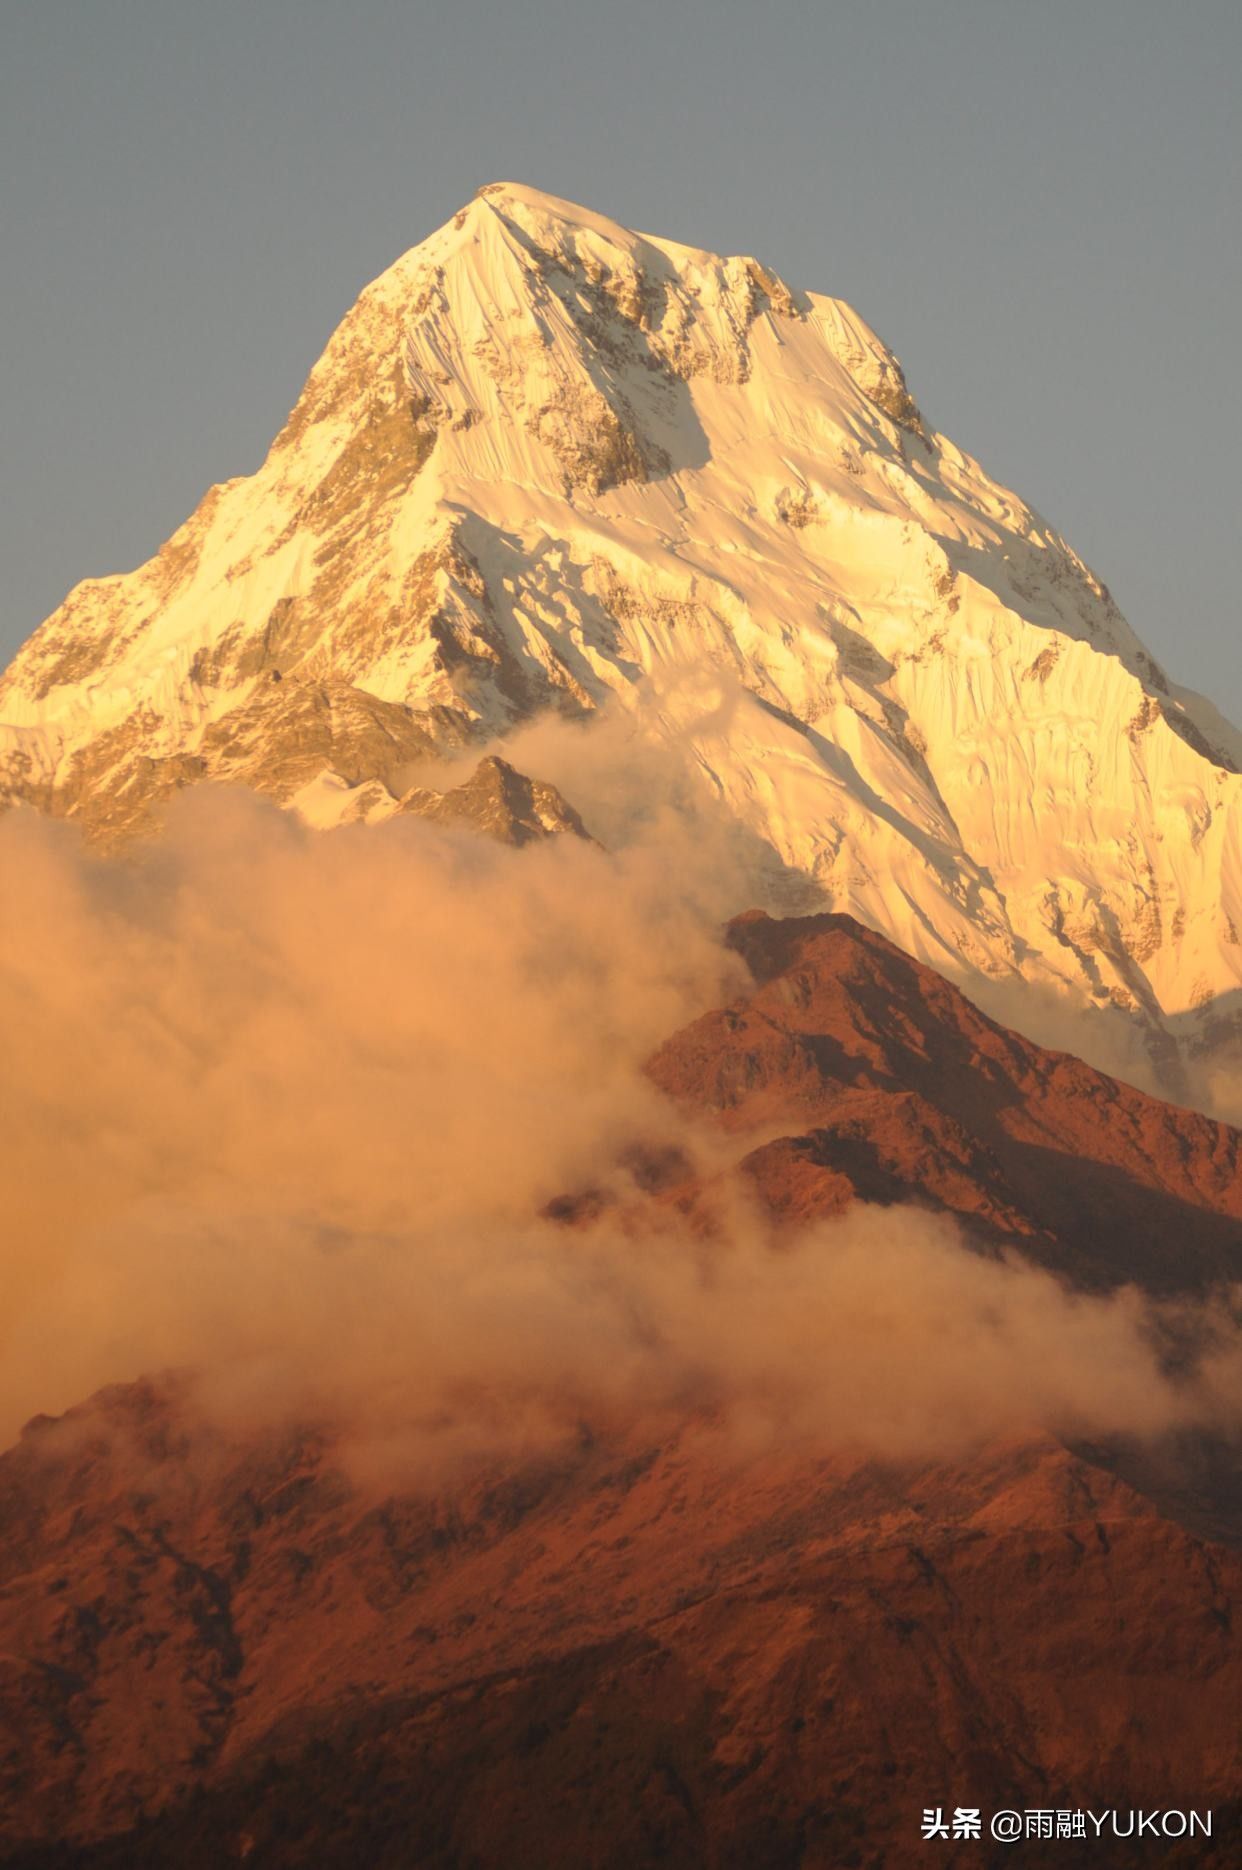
(543, 458)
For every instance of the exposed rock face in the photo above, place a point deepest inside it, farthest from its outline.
(634, 1654)
(543, 459)
(501, 803)
(869, 1077)
(679, 1650)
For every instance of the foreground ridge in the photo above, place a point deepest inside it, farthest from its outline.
(645, 1640)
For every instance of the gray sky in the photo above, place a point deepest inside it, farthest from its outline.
(1036, 204)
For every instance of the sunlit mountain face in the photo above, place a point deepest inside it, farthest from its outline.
(549, 464)
(620, 988)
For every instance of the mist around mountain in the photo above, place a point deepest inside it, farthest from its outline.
(619, 987)
(529, 1435)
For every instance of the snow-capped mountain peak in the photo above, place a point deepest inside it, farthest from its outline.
(544, 459)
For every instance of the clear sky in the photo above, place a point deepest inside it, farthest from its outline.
(1036, 202)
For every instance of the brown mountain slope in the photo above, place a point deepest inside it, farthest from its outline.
(627, 1655)
(671, 1647)
(868, 1077)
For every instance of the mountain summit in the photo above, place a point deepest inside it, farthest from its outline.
(544, 461)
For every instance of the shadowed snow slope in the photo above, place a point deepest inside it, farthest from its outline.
(546, 462)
